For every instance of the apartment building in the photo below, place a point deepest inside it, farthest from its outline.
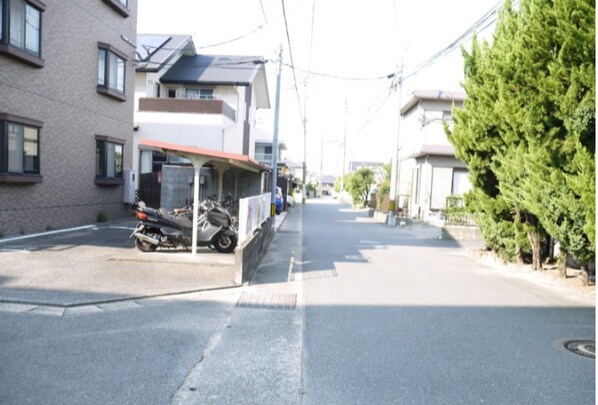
(66, 111)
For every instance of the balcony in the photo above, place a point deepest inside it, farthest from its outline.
(189, 106)
(263, 157)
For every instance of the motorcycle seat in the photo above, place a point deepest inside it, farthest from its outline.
(164, 213)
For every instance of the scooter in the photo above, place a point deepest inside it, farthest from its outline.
(159, 228)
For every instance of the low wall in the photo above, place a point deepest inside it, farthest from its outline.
(461, 232)
(249, 254)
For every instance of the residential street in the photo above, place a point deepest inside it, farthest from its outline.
(342, 310)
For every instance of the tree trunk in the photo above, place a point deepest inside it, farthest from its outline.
(549, 250)
(562, 263)
(518, 234)
(519, 254)
(533, 234)
(534, 238)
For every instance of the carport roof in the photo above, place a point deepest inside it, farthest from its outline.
(213, 156)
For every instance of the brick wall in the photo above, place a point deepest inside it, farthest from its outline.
(63, 95)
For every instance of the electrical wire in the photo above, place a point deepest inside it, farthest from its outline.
(333, 76)
(264, 13)
(481, 24)
(378, 106)
(258, 28)
(286, 25)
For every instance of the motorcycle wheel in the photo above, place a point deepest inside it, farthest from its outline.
(225, 243)
(145, 246)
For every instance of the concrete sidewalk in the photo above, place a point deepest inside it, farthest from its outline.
(99, 264)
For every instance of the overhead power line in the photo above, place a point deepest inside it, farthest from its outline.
(334, 76)
(480, 25)
(286, 25)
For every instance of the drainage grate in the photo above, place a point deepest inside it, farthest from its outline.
(586, 348)
(268, 301)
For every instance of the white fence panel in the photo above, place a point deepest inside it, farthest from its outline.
(253, 212)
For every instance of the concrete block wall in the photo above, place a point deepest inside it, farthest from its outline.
(62, 94)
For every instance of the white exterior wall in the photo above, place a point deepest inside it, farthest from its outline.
(208, 131)
(422, 129)
(423, 126)
(233, 135)
(252, 121)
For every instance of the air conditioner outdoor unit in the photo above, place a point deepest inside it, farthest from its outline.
(129, 186)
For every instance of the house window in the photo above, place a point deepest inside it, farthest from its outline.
(171, 93)
(157, 90)
(109, 158)
(20, 30)
(120, 6)
(192, 94)
(199, 94)
(206, 94)
(111, 72)
(461, 184)
(19, 147)
(441, 187)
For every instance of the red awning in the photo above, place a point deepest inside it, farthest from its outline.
(234, 159)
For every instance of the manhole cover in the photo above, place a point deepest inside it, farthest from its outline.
(586, 348)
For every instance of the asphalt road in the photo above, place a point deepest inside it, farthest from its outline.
(396, 316)
(343, 310)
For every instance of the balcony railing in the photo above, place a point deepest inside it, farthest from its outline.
(263, 157)
(192, 106)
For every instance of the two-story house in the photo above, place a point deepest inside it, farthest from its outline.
(203, 101)
(66, 111)
(428, 171)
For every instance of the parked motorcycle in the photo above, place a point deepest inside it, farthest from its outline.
(159, 228)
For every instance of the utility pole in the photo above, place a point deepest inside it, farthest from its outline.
(344, 148)
(321, 165)
(304, 188)
(275, 138)
(391, 219)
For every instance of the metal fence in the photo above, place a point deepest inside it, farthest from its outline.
(456, 213)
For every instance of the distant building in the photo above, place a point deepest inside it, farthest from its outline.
(66, 111)
(327, 184)
(376, 167)
(429, 171)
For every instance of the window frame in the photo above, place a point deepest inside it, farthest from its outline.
(24, 176)
(107, 88)
(102, 178)
(119, 7)
(7, 46)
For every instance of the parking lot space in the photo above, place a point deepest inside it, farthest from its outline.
(99, 264)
